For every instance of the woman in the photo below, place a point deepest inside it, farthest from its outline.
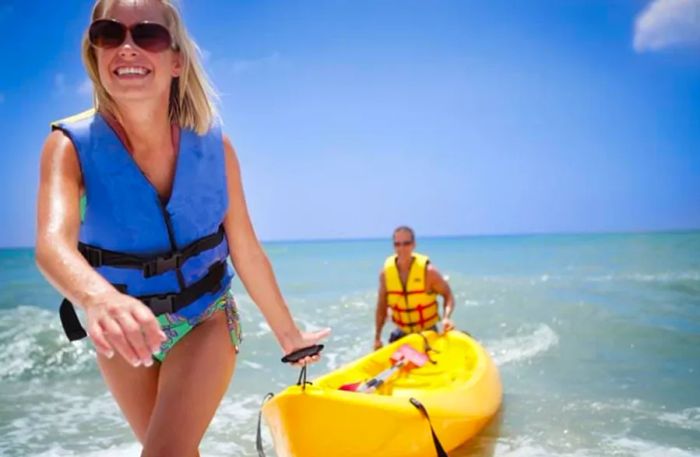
(164, 209)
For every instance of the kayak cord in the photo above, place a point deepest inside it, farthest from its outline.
(258, 436)
(428, 348)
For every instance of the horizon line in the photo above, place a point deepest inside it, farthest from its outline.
(463, 235)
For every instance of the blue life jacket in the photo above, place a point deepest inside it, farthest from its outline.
(171, 256)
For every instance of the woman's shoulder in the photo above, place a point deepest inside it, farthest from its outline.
(59, 155)
(61, 140)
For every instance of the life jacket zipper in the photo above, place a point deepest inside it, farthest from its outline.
(404, 288)
(171, 238)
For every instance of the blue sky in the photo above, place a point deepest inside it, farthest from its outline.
(455, 117)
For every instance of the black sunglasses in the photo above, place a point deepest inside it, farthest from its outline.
(149, 36)
(402, 243)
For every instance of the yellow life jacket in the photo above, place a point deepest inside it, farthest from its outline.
(413, 309)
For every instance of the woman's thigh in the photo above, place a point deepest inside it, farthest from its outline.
(134, 389)
(193, 379)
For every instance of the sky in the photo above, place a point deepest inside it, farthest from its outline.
(455, 117)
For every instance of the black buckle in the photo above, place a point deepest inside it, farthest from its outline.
(93, 256)
(162, 264)
(162, 304)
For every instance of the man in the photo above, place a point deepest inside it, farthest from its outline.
(409, 285)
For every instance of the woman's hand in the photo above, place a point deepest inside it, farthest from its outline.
(305, 339)
(123, 324)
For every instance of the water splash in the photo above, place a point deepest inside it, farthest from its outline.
(523, 346)
(612, 446)
(34, 346)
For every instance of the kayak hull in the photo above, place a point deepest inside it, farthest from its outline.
(460, 392)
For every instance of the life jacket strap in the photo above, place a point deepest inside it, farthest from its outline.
(154, 265)
(159, 304)
(418, 308)
(170, 303)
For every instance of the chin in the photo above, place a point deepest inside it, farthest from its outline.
(135, 94)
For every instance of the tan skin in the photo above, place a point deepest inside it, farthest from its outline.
(404, 244)
(155, 398)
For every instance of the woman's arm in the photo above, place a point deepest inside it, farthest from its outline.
(115, 321)
(253, 267)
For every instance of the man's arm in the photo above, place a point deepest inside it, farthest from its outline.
(436, 283)
(380, 316)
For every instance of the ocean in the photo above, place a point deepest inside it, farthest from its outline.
(597, 339)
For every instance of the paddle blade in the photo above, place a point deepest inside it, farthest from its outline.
(405, 356)
(352, 387)
(409, 354)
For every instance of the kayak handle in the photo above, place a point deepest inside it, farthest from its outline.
(299, 354)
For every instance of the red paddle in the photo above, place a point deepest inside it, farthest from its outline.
(405, 355)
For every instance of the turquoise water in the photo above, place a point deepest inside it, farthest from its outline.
(597, 338)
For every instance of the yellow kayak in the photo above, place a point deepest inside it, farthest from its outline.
(461, 391)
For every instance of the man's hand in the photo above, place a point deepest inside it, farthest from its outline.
(447, 325)
(377, 344)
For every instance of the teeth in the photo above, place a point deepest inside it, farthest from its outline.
(131, 71)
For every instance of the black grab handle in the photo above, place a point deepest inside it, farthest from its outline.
(301, 353)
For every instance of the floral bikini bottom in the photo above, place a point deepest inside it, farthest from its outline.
(176, 327)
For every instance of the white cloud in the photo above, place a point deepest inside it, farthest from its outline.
(667, 23)
(59, 83)
(237, 67)
(241, 66)
(206, 55)
(62, 86)
(85, 87)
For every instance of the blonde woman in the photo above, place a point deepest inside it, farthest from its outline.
(164, 210)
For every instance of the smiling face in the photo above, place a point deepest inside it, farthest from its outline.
(128, 72)
(403, 244)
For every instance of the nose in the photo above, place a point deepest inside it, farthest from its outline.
(128, 47)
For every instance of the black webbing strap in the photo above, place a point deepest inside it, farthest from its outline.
(438, 446)
(154, 265)
(170, 303)
(302, 378)
(258, 435)
(159, 304)
(71, 325)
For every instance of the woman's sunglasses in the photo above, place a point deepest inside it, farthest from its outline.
(149, 36)
(402, 243)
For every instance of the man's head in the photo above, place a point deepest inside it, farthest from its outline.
(404, 241)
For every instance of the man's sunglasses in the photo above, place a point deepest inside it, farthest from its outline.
(402, 243)
(149, 36)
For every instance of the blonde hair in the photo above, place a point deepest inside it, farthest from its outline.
(191, 95)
